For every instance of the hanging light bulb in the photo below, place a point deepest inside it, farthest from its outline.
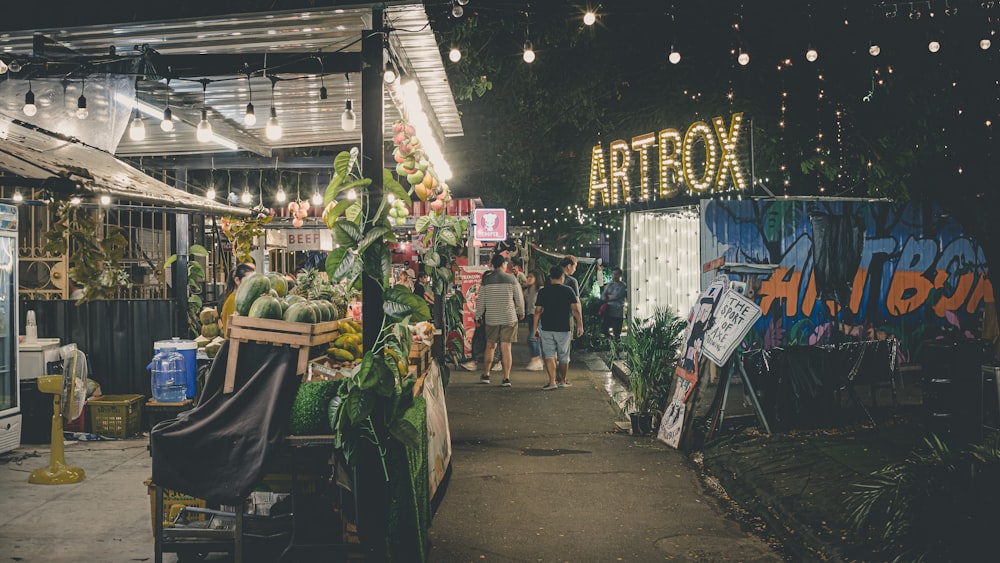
(812, 55)
(137, 131)
(247, 197)
(75, 200)
(934, 46)
(273, 128)
(81, 107)
(249, 117)
(317, 198)
(105, 200)
(674, 57)
(390, 75)
(743, 58)
(210, 193)
(167, 123)
(30, 108)
(463, 2)
(3, 67)
(454, 55)
(589, 18)
(874, 50)
(18, 197)
(529, 52)
(347, 119)
(204, 131)
(457, 11)
(352, 195)
(985, 43)
(280, 196)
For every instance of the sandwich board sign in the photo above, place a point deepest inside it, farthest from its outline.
(731, 321)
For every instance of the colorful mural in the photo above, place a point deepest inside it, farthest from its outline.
(919, 275)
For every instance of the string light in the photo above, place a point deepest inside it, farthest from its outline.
(105, 200)
(454, 55)
(167, 123)
(389, 75)
(348, 119)
(934, 46)
(589, 17)
(743, 58)
(137, 130)
(280, 197)
(317, 198)
(675, 56)
(249, 117)
(210, 193)
(18, 197)
(529, 52)
(247, 197)
(204, 131)
(29, 102)
(81, 103)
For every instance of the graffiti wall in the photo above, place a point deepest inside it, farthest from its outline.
(909, 272)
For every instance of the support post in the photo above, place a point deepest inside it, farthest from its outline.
(179, 280)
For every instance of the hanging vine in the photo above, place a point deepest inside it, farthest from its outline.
(95, 250)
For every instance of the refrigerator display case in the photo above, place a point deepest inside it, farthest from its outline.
(10, 399)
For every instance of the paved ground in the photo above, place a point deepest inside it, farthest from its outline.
(537, 476)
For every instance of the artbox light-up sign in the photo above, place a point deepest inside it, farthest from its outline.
(705, 159)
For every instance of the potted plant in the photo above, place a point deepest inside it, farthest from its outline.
(649, 350)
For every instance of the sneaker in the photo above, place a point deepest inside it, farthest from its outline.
(562, 384)
(550, 386)
(469, 366)
(505, 383)
(535, 365)
(484, 379)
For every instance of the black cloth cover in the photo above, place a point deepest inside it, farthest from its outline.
(837, 244)
(218, 450)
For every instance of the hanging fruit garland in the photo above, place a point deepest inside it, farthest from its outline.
(412, 163)
(299, 211)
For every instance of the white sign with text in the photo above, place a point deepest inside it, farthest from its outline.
(731, 321)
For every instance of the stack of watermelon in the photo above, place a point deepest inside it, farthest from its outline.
(265, 296)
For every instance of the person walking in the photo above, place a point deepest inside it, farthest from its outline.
(534, 285)
(568, 265)
(554, 306)
(613, 297)
(500, 305)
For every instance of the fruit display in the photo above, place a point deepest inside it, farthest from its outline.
(209, 318)
(346, 349)
(398, 212)
(252, 287)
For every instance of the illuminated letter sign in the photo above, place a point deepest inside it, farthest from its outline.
(704, 160)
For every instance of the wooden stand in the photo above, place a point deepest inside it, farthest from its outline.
(277, 333)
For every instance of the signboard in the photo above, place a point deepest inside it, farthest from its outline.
(300, 240)
(470, 278)
(490, 224)
(438, 432)
(731, 321)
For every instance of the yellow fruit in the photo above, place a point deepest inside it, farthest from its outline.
(339, 354)
(346, 328)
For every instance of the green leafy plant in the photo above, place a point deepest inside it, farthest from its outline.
(378, 394)
(95, 250)
(939, 504)
(195, 277)
(242, 231)
(650, 349)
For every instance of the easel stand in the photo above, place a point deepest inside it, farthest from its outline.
(718, 410)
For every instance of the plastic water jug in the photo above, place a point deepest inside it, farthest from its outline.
(169, 379)
(189, 350)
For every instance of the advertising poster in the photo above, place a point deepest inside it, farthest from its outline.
(730, 323)
(698, 320)
(490, 224)
(438, 433)
(470, 278)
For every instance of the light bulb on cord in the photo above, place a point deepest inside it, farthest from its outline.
(105, 199)
(743, 58)
(348, 119)
(934, 46)
(273, 129)
(137, 131)
(280, 196)
(30, 108)
(204, 132)
(812, 55)
(390, 75)
(674, 57)
(985, 43)
(874, 50)
(247, 197)
(250, 118)
(317, 198)
(167, 123)
(81, 107)
(529, 53)
(454, 55)
(589, 18)
(18, 197)
(3, 67)
(457, 11)
(210, 193)
(75, 200)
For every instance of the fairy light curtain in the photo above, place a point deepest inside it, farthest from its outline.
(664, 260)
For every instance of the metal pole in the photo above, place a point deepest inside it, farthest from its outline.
(179, 274)
(372, 159)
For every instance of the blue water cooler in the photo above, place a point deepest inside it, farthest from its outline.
(188, 349)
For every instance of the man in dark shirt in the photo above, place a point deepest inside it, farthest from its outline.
(553, 307)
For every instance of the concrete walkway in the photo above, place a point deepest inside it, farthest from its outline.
(547, 476)
(536, 476)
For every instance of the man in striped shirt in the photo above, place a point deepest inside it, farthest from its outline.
(500, 305)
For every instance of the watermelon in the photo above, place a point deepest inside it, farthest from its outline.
(252, 287)
(300, 312)
(293, 298)
(265, 307)
(278, 283)
(320, 311)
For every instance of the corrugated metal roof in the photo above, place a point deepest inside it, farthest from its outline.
(306, 120)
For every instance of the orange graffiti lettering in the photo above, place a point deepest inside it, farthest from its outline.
(982, 292)
(782, 284)
(954, 301)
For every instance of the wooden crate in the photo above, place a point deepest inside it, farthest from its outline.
(420, 357)
(277, 333)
